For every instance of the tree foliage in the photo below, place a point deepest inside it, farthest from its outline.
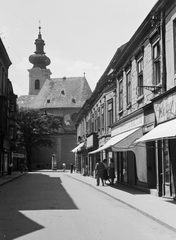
(34, 129)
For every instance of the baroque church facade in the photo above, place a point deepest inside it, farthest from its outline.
(62, 97)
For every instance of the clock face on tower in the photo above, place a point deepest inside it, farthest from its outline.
(37, 72)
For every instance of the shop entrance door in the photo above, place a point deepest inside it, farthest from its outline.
(166, 170)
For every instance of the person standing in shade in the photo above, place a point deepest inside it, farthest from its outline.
(111, 171)
(71, 168)
(105, 171)
(99, 168)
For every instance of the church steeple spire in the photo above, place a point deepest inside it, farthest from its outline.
(38, 73)
(39, 59)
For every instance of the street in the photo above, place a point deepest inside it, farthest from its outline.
(52, 205)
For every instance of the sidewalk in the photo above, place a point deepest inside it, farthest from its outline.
(162, 210)
(8, 178)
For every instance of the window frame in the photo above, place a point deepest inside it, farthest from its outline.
(96, 121)
(174, 39)
(110, 112)
(37, 84)
(11, 132)
(156, 62)
(120, 81)
(102, 116)
(140, 76)
(128, 87)
(92, 123)
(98, 118)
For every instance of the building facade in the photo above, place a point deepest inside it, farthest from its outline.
(141, 100)
(7, 114)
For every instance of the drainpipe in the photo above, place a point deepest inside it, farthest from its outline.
(163, 50)
(163, 170)
(157, 168)
(114, 106)
(164, 84)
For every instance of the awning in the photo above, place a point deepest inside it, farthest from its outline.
(126, 142)
(121, 142)
(162, 131)
(78, 148)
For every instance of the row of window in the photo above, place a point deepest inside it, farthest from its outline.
(140, 80)
(8, 104)
(97, 120)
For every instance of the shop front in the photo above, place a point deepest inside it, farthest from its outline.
(5, 156)
(149, 123)
(163, 137)
(130, 159)
(79, 157)
(92, 142)
(18, 160)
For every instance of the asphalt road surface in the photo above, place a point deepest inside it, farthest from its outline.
(51, 205)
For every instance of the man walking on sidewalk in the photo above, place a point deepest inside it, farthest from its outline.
(99, 168)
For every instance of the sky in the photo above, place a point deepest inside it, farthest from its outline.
(81, 36)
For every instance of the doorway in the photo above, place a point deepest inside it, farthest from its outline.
(151, 165)
(126, 165)
(166, 169)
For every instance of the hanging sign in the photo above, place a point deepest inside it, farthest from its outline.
(165, 108)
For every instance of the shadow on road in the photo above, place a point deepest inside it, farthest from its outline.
(30, 194)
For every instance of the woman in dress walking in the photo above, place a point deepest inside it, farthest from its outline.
(105, 171)
(112, 171)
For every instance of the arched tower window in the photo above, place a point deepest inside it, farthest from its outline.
(37, 84)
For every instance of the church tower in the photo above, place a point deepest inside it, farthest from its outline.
(39, 73)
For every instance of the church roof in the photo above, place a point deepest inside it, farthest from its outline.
(26, 101)
(64, 92)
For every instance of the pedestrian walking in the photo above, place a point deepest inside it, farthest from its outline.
(86, 170)
(74, 168)
(71, 168)
(63, 166)
(99, 168)
(105, 172)
(112, 171)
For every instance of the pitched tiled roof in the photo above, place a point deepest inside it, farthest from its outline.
(26, 101)
(62, 93)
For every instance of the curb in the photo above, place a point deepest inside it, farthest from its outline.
(131, 206)
(13, 178)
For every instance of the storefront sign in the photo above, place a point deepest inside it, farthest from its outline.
(133, 123)
(90, 141)
(165, 109)
(18, 155)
